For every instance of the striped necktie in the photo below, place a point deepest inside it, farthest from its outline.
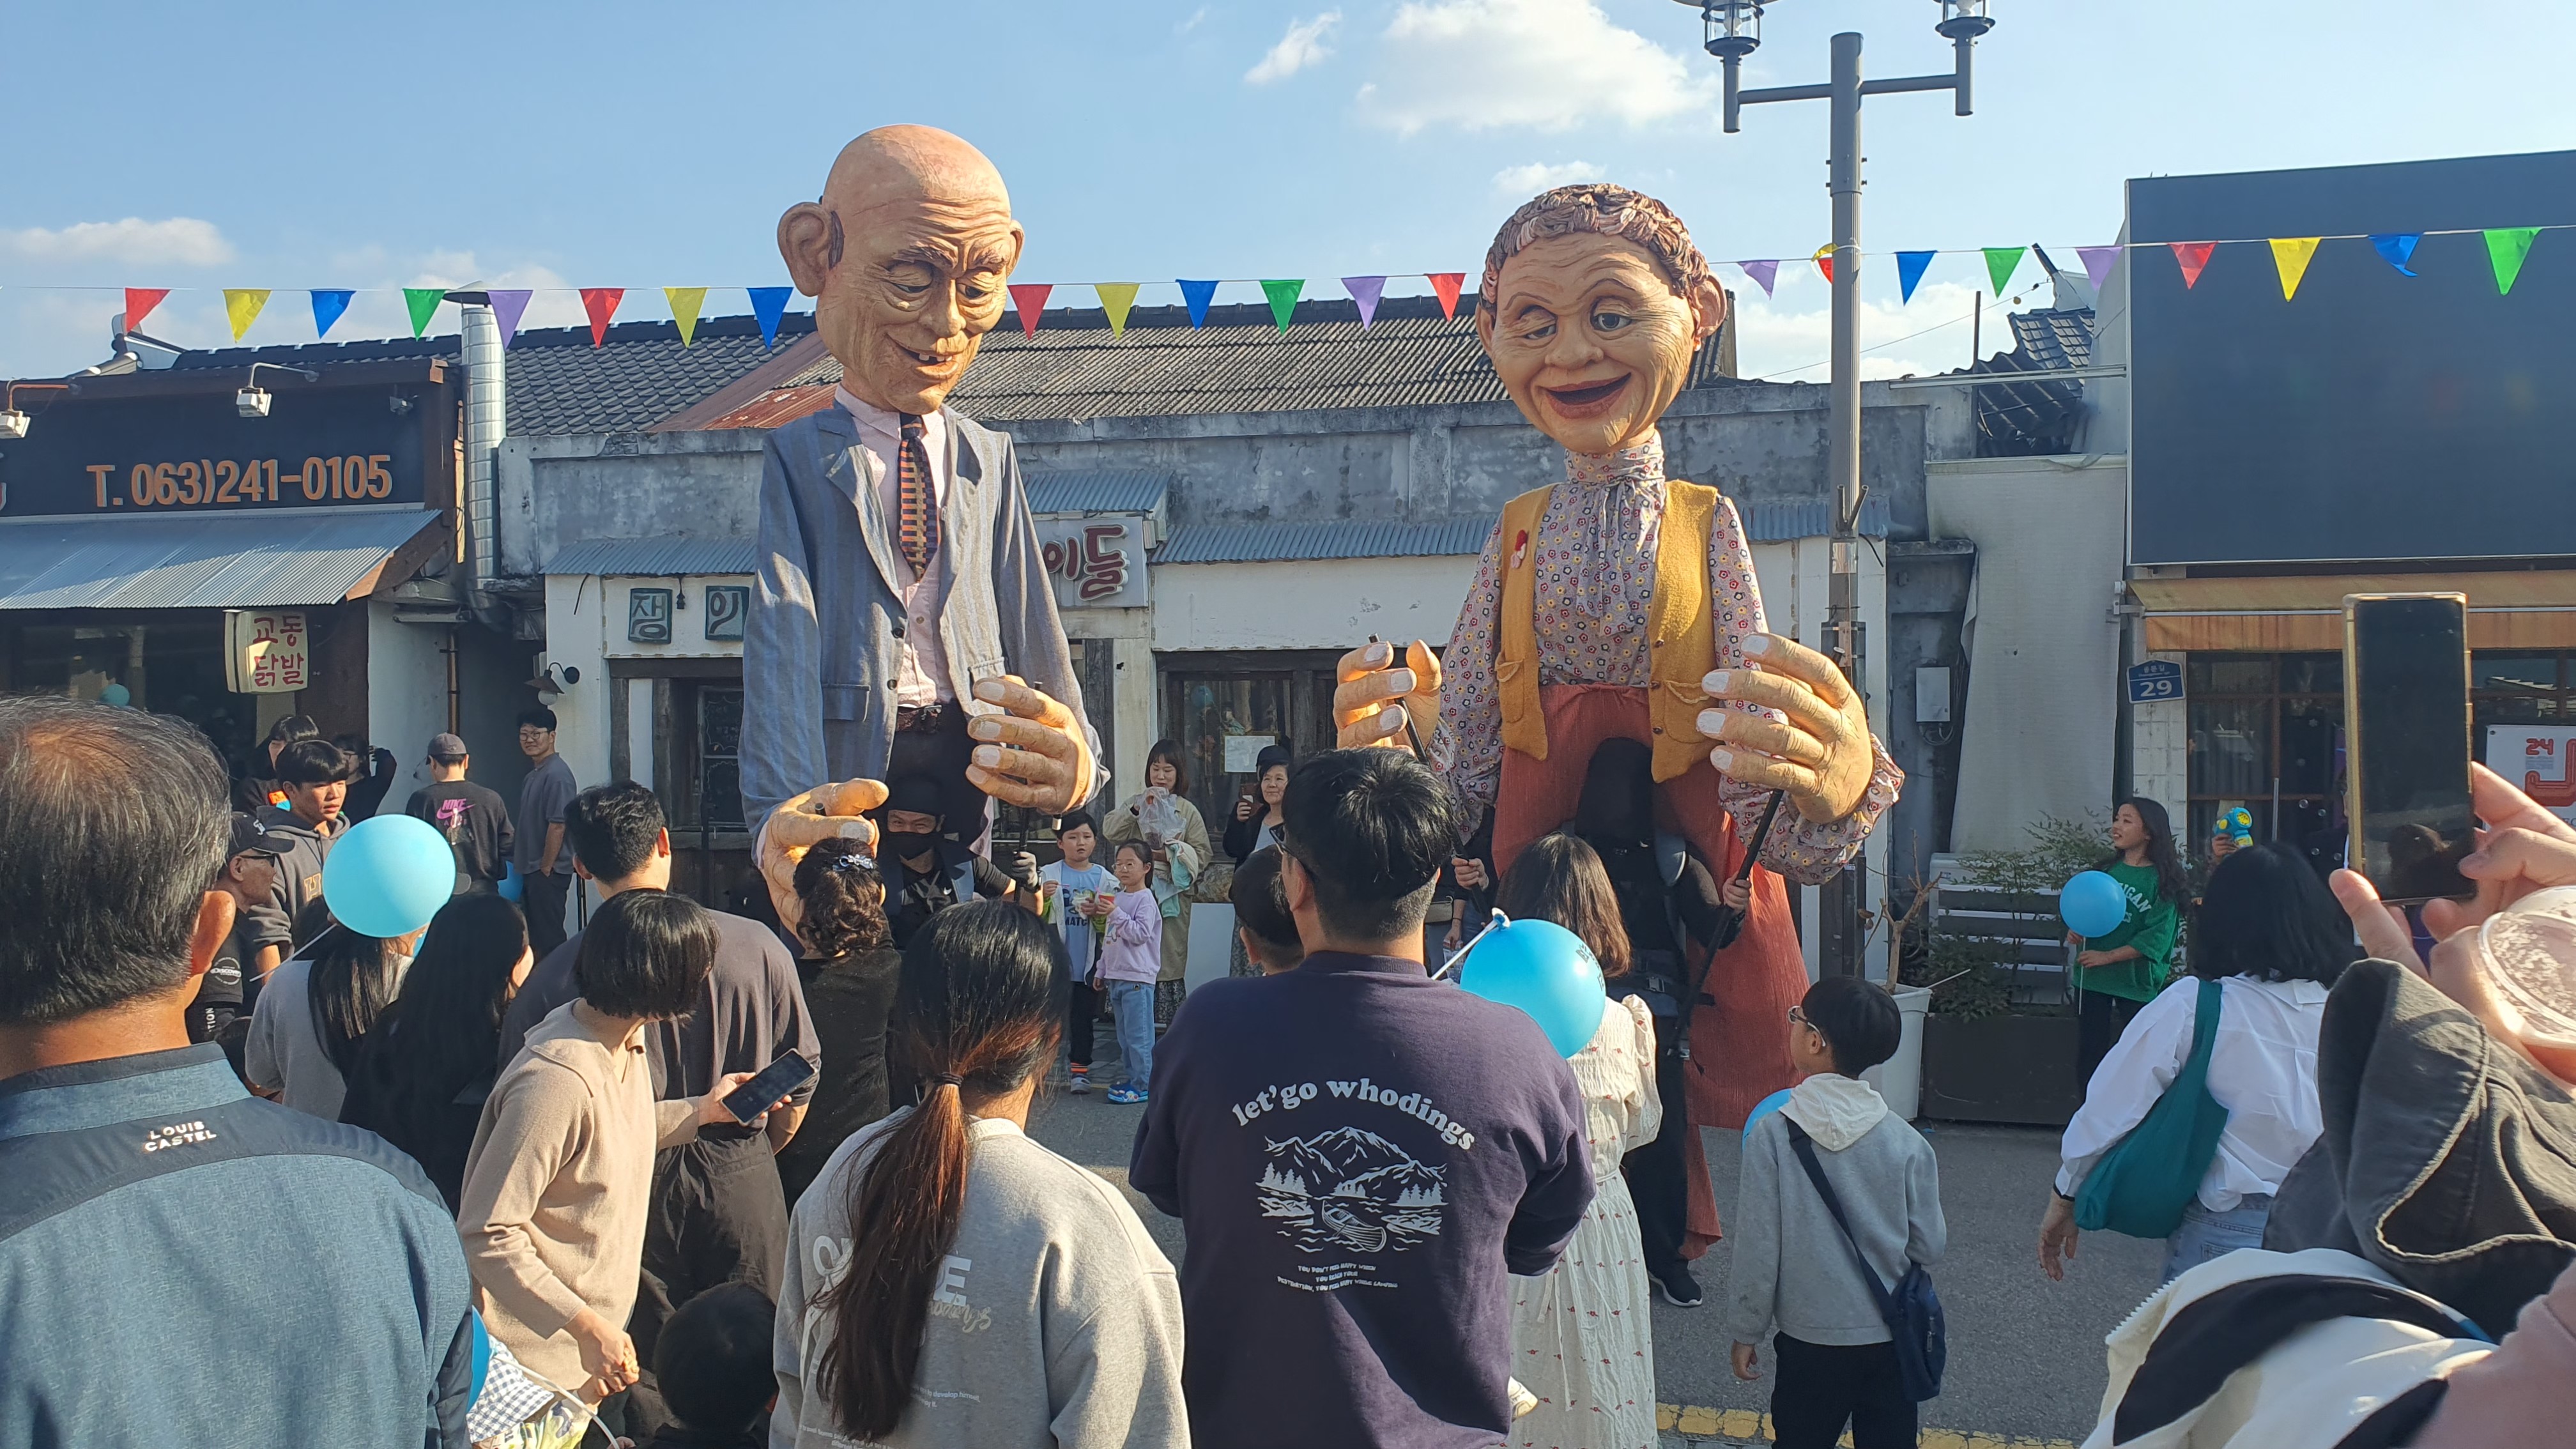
(918, 529)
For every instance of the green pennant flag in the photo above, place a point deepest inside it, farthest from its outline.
(1283, 298)
(2000, 263)
(2506, 248)
(423, 302)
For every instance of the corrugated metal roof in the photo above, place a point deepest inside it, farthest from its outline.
(1782, 519)
(270, 560)
(656, 557)
(1199, 543)
(1107, 490)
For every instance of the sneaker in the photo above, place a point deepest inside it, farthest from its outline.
(1081, 1082)
(1679, 1288)
(1126, 1094)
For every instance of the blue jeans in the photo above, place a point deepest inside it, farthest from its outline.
(2205, 1235)
(1132, 1002)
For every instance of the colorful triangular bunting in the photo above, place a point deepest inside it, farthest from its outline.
(242, 307)
(685, 303)
(1823, 257)
(768, 304)
(1117, 299)
(327, 306)
(507, 309)
(2507, 247)
(2193, 258)
(1282, 292)
(2098, 262)
(1763, 273)
(2290, 257)
(1909, 271)
(1365, 291)
(601, 303)
(139, 302)
(2397, 248)
(423, 304)
(1197, 295)
(1445, 286)
(2001, 262)
(1029, 299)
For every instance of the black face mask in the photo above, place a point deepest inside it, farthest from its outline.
(905, 844)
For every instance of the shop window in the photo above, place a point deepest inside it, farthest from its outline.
(700, 776)
(168, 662)
(1223, 708)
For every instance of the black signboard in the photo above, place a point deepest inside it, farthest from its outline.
(2377, 415)
(102, 454)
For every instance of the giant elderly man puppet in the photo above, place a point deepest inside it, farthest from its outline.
(1622, 604)
(901, 623)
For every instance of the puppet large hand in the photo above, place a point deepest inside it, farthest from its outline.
(1374, 696)
(1819, 750)
(1035, 755)
(826, 812)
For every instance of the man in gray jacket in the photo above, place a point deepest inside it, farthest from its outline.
(901, 621)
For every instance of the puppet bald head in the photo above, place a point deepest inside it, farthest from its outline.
(905, 256)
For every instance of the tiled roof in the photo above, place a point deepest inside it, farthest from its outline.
(1778, 520)
(1201, 543)
(658, 558)
(1239, 362)
(2028, 419)
(1096, 491)
(559, 383)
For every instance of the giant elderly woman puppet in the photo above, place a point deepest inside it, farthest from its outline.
(1622, 604)
(901, 618)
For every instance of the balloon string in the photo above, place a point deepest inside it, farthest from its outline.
(1454, 962)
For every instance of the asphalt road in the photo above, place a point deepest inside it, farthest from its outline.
(2025, 1353)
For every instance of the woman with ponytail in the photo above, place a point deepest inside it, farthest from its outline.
(913, 1263)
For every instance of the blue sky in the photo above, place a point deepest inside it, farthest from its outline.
(648, 145)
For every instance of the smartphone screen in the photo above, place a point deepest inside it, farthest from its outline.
(2406, 725)
(774, 1081)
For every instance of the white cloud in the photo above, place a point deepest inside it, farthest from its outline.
(1302, 46)
(1777, 342)
(178, 241)
(1538, 176)
(1197, 17)
(1549, 65)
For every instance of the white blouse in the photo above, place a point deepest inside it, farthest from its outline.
(2262, 1069)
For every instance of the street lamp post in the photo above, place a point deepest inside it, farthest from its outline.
(1734, 31)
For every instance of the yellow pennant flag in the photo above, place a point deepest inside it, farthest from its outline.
(2291, 254)
(242, 305)
(1115, 299)
(685, 302)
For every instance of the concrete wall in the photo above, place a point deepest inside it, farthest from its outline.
(2160, 750)
(406, 693)
(1322, 604)
(623, 486)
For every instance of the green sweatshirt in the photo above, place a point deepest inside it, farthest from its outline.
(2149, 927)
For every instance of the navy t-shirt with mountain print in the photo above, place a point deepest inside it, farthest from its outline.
(1360, 1156)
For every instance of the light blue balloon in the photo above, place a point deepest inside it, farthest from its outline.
(513, 887)
(388, 875)
(1545, 970)
(1765, 1108)
(116, 694)
(2092, 904)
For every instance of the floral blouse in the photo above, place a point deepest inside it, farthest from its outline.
(1595, 558)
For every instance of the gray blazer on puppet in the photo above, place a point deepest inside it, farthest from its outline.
(821, 650)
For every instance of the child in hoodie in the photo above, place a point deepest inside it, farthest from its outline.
(1794, 1276)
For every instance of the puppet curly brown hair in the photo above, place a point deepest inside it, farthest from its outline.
(1597, 206)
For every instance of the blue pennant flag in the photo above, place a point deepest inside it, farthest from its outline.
(1909, 270)
(769, 304)
(2398, 248)
(1198, 295)
(327, 307)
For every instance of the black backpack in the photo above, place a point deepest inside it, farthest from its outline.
(1912, 1310)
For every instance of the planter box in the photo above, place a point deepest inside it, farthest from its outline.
(2001, 1069)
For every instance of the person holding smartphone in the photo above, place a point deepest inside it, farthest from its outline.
(1256, 827)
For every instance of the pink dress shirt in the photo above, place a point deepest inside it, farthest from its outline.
(924, 677)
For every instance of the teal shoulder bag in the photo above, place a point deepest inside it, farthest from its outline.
(2141, 1186)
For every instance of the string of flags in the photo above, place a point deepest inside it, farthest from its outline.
(2507, 249)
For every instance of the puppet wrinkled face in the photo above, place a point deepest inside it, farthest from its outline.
(1591, 340)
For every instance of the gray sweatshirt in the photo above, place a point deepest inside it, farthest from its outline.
(1792, 1270)
(1055, 1319)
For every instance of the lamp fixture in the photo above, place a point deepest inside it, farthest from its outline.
(252, 400)
(13, 423)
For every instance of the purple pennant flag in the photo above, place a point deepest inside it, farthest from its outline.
(2097, 262)
(1763, 272)
(768, 304)
(1365, 291)
(507, 309)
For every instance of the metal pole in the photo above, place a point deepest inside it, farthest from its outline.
(1840, 903)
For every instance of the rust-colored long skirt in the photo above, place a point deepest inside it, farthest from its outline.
(1739, 1046)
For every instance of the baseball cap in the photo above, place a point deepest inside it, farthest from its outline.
(446, 748)
(252, 838)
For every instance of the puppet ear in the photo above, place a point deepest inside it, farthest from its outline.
(1708, 308)
(805, 243)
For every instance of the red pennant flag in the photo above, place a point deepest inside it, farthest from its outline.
(139, 302)
(1824, 260)
(1447, 285)
(601, 304)
(2194, 257)
(1030, 299)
